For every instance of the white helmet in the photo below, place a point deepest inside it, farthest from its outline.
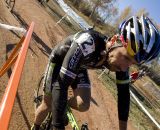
(142, 38)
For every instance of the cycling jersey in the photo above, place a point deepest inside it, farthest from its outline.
(87, 47)
(83, 50)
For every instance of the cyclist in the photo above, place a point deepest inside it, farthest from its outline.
(137, 42)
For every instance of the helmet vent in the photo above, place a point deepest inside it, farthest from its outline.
(140, 45)
(148, 38)
(140, 27)
(125, 35)
(147, 25)
(133, 42)
(131, 23)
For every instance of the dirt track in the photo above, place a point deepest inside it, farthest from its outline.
(103, 112)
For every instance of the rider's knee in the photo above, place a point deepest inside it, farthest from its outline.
(83, 106)
(46, 106)
(46, 103)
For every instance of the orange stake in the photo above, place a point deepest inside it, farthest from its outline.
(11, 90)
(8, 65)
(12, 58)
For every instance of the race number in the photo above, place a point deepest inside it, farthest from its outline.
(86, 43)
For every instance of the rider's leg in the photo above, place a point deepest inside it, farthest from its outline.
(59, 102)
(81, 99)
(43, 109)
(45, 106)
(82, 92)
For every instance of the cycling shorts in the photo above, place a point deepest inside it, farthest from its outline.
(52, 72)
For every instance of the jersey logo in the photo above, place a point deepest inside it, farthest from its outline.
(86, 43)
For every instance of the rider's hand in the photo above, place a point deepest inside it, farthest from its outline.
(122, 125)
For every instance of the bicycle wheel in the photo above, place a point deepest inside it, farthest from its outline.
(39, 92)
(46, 124)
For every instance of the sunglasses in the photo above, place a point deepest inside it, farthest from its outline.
(118, 39)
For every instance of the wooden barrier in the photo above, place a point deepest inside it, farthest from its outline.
(10, 93)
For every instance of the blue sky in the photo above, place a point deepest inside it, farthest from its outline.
(152, 6)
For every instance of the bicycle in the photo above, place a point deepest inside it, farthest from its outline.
(46, 124)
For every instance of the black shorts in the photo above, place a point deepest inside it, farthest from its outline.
(52, 72)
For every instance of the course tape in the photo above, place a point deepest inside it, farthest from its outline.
(82, 23)
(13, 28)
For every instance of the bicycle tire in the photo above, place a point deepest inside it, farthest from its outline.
(40, 87)
(38, 99)
(39, 92)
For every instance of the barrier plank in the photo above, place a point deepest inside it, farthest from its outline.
(10, 93)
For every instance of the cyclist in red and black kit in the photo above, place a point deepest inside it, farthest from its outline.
(137, 42)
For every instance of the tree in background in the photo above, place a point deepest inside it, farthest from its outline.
(141, 12)
(76, 3)
(127, 12)
(159, 25)
(85, 8)
(103, 4)
(108, 12)
(98, 11)
(102, 12)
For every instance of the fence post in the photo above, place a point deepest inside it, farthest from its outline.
(103, 73)
(61, 19)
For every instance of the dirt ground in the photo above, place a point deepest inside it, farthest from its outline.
(102, 114)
